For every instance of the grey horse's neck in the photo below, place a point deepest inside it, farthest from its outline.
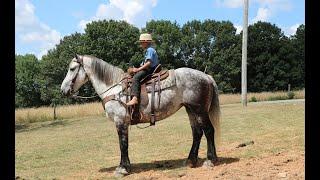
(103, 75)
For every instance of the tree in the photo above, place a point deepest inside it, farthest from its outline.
(167, 37)
(195, 45)
(226, 57)
(54, 67)
(266, 67)
(27, 86)
(116, 42)
(298, 72)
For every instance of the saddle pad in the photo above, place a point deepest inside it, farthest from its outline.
(163, 75)
(164, 84)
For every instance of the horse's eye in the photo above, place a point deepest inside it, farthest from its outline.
(72, 69)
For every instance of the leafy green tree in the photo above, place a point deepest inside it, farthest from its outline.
(266, 68)
(167, 37)
(54, 67)
(226, 57)
(298, 72)
(226, 68)
(26, 85)
(113, 41)
(195, 45)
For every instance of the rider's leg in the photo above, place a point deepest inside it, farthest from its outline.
(136, 86)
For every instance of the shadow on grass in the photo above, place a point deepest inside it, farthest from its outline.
(35, 126)
(168, 165)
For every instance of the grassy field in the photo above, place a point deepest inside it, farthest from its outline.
(87, 147)
(29, 115)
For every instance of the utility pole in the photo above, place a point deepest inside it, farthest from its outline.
(244, 54)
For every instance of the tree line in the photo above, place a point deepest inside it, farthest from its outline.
(274, 60)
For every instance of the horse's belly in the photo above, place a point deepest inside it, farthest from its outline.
(170, 102)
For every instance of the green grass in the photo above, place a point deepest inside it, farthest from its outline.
(87, 148)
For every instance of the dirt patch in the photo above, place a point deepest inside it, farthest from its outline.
(283, 165)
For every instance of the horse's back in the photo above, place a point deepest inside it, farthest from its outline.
(191, 77)
(195, 86)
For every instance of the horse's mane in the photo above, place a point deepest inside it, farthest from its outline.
(105, 72)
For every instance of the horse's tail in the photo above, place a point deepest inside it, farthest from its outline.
(214, 111)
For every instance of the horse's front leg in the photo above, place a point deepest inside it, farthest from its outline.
(124, 167)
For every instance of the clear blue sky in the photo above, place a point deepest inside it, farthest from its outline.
(40, 24)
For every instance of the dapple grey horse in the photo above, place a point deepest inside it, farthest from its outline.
(193, 89)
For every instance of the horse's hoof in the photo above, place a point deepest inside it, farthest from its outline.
(190, 163)
(208, 164)
(120, 172)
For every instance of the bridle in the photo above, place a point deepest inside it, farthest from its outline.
(80, 62)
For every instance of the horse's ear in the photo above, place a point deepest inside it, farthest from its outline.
(79, 58)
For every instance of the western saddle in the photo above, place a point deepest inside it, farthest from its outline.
(151, 83)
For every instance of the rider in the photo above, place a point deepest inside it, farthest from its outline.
(147, 66)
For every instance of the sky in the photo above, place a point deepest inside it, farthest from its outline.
(40, 24)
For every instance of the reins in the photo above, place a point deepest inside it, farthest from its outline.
(143, 127)
(90, 97)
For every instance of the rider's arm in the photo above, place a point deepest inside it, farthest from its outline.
(145, 66)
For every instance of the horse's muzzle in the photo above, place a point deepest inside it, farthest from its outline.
(66, 93)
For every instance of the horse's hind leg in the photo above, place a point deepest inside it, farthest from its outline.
(196, 134)
(209, 133)
(200, 122)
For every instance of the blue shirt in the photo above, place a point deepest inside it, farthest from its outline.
(152, 56)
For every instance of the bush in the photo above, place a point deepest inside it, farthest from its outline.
(253, 99)
(290, 95)
(275, 98)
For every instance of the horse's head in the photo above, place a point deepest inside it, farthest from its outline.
(75, 77)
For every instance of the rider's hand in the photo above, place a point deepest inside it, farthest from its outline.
(135, 70)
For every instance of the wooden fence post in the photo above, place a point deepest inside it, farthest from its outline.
(54, 111)
(289, 86)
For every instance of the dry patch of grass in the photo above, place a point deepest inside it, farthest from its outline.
(88, 148)
(30, 115)
(263, 96)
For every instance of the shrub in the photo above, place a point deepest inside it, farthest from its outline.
(253, 99)
(290, 95)
(275, 98)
